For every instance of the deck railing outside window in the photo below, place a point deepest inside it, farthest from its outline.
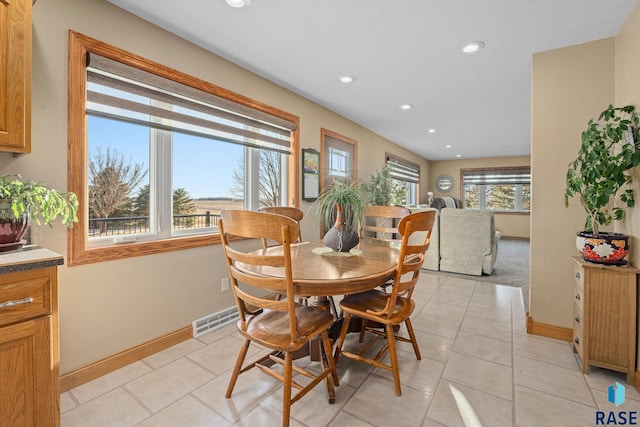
(100, 227)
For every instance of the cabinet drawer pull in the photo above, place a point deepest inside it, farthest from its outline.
(577, 274)
(578, 319)
(16, 302)
(577, 340)
(578, 297)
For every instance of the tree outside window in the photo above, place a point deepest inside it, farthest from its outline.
(497, 189)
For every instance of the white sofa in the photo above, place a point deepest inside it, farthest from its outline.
(468, 241)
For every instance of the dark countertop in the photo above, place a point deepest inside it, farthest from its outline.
(29, 257)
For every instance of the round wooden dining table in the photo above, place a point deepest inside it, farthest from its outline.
(320, 273)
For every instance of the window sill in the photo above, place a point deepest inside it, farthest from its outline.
(80, 255)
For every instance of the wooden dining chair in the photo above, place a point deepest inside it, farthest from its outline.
(381, 221)
(394, 308)
(288, 211)
(296, 215)
(284, 326)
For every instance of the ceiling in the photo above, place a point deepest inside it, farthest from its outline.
(400, 51)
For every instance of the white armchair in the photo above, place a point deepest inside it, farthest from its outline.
(468, 241)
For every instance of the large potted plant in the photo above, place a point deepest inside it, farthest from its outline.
(340, 210)
(600, 177)
(24, 200)
(381, 190)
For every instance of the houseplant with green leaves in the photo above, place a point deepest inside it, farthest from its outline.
(382, 191)
(600, 178)
(340, 210)
(22, 201)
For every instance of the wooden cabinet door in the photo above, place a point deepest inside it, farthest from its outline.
(26, 397)
(15, 76)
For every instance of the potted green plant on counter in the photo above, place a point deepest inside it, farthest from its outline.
(22, 201)
(340, 210)
(600, 177)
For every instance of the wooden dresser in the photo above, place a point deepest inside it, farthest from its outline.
(604, 324)
(29, 352)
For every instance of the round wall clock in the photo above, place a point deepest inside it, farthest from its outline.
(444, 183)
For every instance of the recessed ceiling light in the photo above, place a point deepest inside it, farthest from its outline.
(473, 47)
(432, 130)
(406, 107)
(346, 79)
(458, 155)
(448, 146)
(239, 3)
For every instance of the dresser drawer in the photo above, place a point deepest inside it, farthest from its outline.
(578, 340)
(578, 317)
(578, 276)
(578, 298)
(25, 298)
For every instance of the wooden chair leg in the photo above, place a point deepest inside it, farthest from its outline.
(286, 398)
(414, 341)
(328, 356)
(391, 342)
(237, 368)
(343, 334)
(363, 330)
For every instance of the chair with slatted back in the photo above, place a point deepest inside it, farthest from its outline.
(288, 211)
(394, 308)
(284, 326)
(297, 215)
(381, 221)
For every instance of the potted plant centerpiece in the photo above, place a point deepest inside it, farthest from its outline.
(600, 177)
(340, 209)
(24, 200)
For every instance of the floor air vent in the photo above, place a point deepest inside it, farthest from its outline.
(214, 321)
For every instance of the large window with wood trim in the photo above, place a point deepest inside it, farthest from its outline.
(406, 177)
(338, 158)
(155, 154)
(506, 189)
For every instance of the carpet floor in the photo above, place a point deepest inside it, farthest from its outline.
(511, 268)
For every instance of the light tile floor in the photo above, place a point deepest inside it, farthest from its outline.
(471, 334)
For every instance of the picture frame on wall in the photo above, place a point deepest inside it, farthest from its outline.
(310, 174)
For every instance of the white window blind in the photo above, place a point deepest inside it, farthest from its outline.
(122, 92)
(497, 177)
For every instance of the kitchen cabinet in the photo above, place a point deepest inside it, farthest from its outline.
(29, 351)
(15, 76)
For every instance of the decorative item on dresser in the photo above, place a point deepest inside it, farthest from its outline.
(604, 325)
(601, 175)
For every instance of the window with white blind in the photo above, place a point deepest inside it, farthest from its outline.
(406, 175)
(339, 158)
(156, 154)
(497, 189)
